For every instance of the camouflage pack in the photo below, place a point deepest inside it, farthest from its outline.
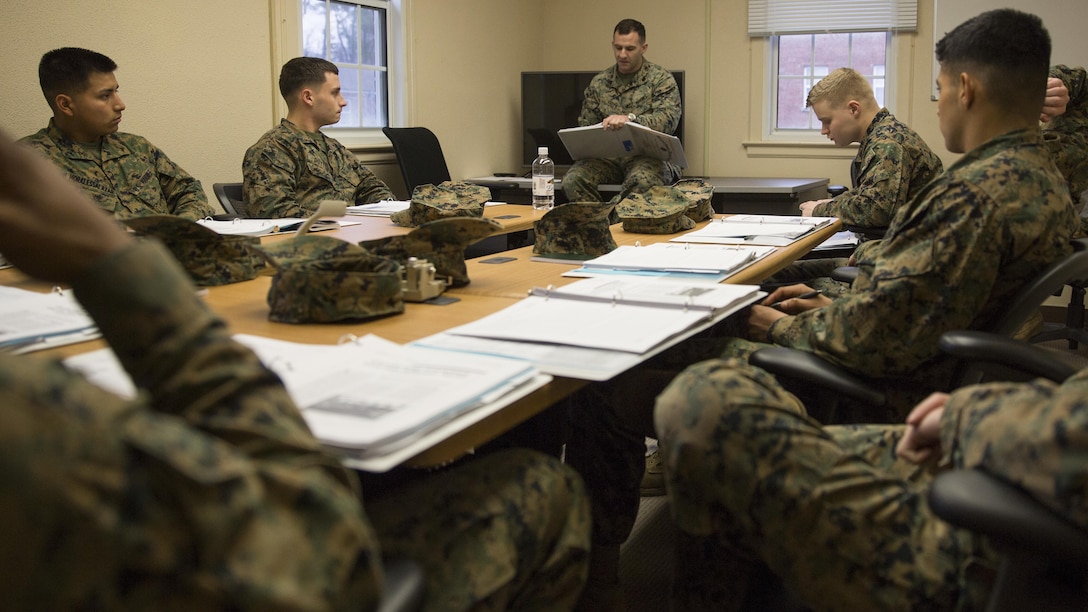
(698, 193)
(440, 242)
(447, 199)
(576, 230)
(660, 210)
(320, 279)
(210, 258)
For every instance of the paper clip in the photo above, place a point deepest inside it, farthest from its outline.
(347, 339)
(57, 289)
(638, 243)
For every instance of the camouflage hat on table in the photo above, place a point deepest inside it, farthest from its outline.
(440, 242)
(320, 279)
(576, 230)
(447, 199)
(699, 194)
(210, 258)
(660, 210)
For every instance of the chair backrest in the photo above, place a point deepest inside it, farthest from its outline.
(419, 156)
(230, 196)
(1052, 280)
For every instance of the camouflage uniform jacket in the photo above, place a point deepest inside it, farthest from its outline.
(130, 178)
(893, 164)
(952, 258)
(289, 171)
(651, 93)
(179, 499)
(1067, 137)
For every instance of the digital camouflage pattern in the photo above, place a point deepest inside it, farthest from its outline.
(579, 230)
(207, 491)
(321, 280)
(440, 242)
(892, 166)
(210, 258)
(699, 194)
(442, 201)
(652, 95)
(289, 171)
(660, 210)
(125, 174)
(952, 259)
(1067, 136)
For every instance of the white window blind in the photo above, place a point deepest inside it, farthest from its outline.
(773, 17)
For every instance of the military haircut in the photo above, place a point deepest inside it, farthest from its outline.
(1008, 51)
(303, 72)
(68, 71)
(626, 26)
(841, 86)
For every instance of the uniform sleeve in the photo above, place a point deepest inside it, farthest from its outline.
(665, 105)
(1076, 81)
(371, 189)
(184, 194)
(591, 105)
(884, 177)
(1034, 435)
(269, 183)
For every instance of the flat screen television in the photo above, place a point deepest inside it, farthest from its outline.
(551, 101)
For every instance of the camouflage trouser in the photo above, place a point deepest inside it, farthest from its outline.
(509, 530)
(846, 526)
(815, 273)
(634, 174)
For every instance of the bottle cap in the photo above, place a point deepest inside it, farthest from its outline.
(542, 150)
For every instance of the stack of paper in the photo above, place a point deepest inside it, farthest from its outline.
(755, 229)
(708, 262)
(379, 209)
(263, 227)
(31, 321)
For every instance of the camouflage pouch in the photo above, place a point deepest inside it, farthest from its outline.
(210, 258)
(576, 230)
(660, 210)
(447, 199)
(440, 242)
(321, 280)
(698, 193)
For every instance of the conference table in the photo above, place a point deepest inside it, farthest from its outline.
(493, 287)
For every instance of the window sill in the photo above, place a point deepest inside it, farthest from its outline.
(798, 149)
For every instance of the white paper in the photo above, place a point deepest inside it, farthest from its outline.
(32, 321)
(754, 229)
(673, 257)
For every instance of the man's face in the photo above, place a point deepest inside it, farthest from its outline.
(628, 51)
(327, 100)
(839, 124)
(949, 112)
(95, 111)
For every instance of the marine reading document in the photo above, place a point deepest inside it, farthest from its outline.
(595, 142)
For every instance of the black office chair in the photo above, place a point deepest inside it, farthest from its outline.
(1072, 331)
(230, 196)
(828, 385)
(419, 156)
(1044, 564)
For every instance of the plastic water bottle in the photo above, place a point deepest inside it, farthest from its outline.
(543, 180)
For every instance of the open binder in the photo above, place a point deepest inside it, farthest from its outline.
(711, 262)
(32, 321)
(776, 230)
(595, 142)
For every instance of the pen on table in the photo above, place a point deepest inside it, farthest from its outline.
(804, 296)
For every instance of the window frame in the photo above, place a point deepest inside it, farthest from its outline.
(287, 43)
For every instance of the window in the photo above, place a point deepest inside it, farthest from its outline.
(800, 60)
(809, 38)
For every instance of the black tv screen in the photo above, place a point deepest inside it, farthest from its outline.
(551, 101)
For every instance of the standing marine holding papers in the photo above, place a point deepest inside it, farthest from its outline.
(294, 166)
(634, 89)
(208, 491)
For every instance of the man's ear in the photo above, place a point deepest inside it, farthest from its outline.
(968, 90)
(854, 107)
(64, 103)
(306, 96)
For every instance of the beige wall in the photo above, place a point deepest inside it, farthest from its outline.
(198, 79)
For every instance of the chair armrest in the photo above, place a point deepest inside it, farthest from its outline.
(1013, 519)
(984, 347)
(845, 274)
(806, 367)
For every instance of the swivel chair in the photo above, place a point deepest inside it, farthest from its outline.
(230, 196)
(419, 156)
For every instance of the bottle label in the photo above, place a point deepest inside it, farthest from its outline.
(543, 185)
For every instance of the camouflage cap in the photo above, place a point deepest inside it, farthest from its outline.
(440, 242)
(210, 258)
(447, 199)
(699, 194)
(660, 210)
(576, 230)
(320, 279)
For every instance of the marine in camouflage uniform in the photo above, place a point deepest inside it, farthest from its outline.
(208, 491)
(125, 174)
(1067, 136)
(289, 171)
(651, 94)
(831, 510)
